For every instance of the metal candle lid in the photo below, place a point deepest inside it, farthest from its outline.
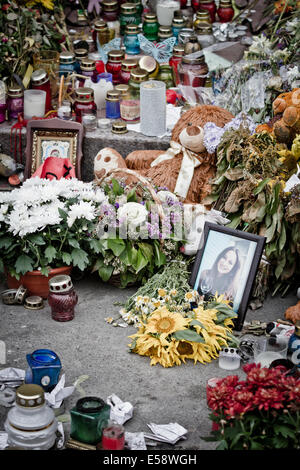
(20, 295)
(178, 22)
(123, 89)
(100, 25)
(139, 75)
(203, 15)
(204, 28)
(35, 302)
(119, 127)
(225, 4)
(132, 29)
(15, 91)
(61, 283)
(88, 65)
(116, 55)
(150, 18)
(84, 94)
(197, 61)
(30, 396)
(128, 8)
(9, 296)
(178, 50)
(129, 64)
(110, 5)
(165, 32)
(66, 57)
(113, 95)
(39, 77)
(81, 53)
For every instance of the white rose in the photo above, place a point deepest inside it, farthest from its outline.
(164, 195)
(134, 213)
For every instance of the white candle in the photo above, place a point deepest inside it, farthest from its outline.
(153, 108)
(34, 103)
(267, 357)
(165, 11)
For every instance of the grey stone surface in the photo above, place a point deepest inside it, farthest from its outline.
(90, 346)
(92, 143)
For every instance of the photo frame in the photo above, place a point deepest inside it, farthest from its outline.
(226, 263)
(53, 137)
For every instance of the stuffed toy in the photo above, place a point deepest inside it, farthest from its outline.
(186, 168)
(286, 122)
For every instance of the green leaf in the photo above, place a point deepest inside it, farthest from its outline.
(132, 255)
(235, 221)
(197, 322)
(1, 266)
(45, 271)
(117, 245)
(160, 257)
(105, 272)
(74, 243)
(50, 253)
(222, 446)
(282, 238)
(6, 242)
(24, 264)
(37, 239)
(80, 258)
(261, 186)
(147, 250)
(131, 196)
(67, 258)
(63, 214)
(117, 189)
(271, 230)
(188, 335)
(256, 446)
(285, 431)
(141, 261)
(96, 246)
(275, 201)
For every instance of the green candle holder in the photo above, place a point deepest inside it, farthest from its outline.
(88, 419)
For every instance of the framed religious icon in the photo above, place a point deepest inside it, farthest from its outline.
(53, 138)
(226, 264)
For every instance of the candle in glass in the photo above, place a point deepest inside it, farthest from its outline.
(165, 11)
(34, 103)
(113, 437)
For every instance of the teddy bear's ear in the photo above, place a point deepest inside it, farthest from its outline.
(290, 116)
(279, 105)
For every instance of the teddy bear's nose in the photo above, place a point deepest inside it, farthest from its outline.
(193, 130)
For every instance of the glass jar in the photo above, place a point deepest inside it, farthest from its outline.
(113, 437)
(44, 368)
(3, 105)
(205, 35)
(225, 11)
(184, 35)
(177, 25)
(114, 64)
(165, 11)
(65, 111)
(88, 70)
(131, 41)
(202, 16)
(31, 423)
(88, 418)
(183, 3)
(80, 54)
(84, 101)
(192, 46)
(130, 106)
(128, 15)
(165, 75)
(15, 102)
(178, 52)
(164, 32)
(139, 7)
(101, 33)
(136, 78)
(127, 66)
(62, 297)
(193, 72)
(113, 104)
(66, 63)
(110, 14)
(150, 65)
(122, 89)
(150, 27)
(208, 5)
(40, 81)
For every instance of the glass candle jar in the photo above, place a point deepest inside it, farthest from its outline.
(128, 15)
(137, 77)
(193, 72)
(177, 25)
(40, 81)
(130, 106)
(165, 75)
(62, 297)
(123, 89)
(225, 11)
(114, 64)
(84, 101)
(110, 14)
(138, 6)
(34, 103)
(65, 111)
(66, 63)
(205, 35)
(150, 65)
(165, 11)
(101, 33)
(44, 368)
(127, 66)
(113, 437)
(3, 108)
(184, 35)
(164, 32)
(88, 70)
(113, 104)
(192, 46)
(208, 5)
(88, 418)
(178, 52)
(31, 423)
(80, 54)
(89, 121)
(150, 26)
(15, 102)
(183, 3)
(131, 41)
(202, 16)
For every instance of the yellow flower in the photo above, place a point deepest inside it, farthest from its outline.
(162, 292)
(173, 292)
(146, 299)
(164, 323)
(156, 303)
(189, 296)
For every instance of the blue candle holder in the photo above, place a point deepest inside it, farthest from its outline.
(113, 104)
(131, 41)
(44, 369)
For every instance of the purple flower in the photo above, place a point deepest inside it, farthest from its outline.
(117, 205)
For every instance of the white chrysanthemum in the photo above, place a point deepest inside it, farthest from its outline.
(81, 210)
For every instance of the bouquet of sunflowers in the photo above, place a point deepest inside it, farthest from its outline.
(170, 333)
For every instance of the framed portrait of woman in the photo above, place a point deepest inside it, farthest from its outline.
(226, 264)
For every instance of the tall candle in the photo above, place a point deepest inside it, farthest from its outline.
(165, 11)
(34, 103)
(153, 108)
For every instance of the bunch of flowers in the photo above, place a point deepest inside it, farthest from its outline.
(170, 335)
(137, 235)
(259, 413)
(49, 223)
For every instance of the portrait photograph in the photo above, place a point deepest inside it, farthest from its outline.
(226, 264)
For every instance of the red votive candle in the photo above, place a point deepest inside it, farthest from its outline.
(113, 437)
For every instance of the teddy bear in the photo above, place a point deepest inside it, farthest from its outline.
(286, 122)
(186, 168)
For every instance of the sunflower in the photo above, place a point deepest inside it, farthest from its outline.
(164, 322)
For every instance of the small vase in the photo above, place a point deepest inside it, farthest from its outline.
(35, 282)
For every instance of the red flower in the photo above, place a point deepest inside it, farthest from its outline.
(248, 367)
(5, 7)
(266, 398)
